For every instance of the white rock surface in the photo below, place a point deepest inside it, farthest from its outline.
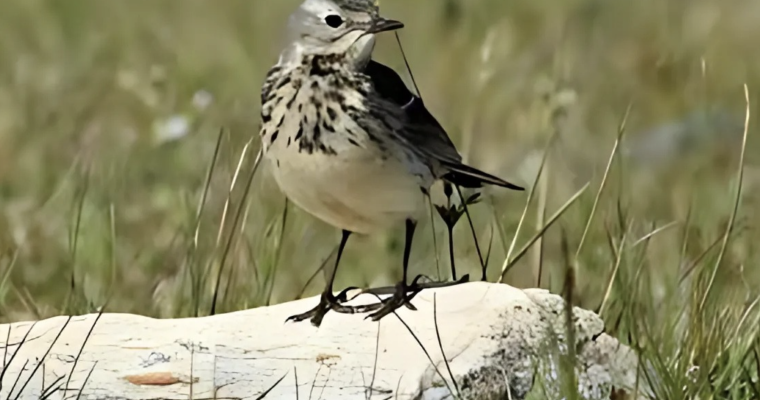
(494, 336)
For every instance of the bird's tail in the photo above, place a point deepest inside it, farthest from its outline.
(469, 177)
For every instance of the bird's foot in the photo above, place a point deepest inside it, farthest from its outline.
(327, 302)
(416, 286)
(393, 303)
(402, 295)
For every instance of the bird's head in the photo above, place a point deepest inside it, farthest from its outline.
(322, 27)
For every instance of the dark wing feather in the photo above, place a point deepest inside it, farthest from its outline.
(427, 131)
(424, 132)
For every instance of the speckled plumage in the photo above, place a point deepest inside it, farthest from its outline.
(332, 153)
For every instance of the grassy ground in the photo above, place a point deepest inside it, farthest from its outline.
(116, 183)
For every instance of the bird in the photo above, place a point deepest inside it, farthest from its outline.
(347, 141)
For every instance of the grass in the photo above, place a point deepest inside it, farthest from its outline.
(105, 195)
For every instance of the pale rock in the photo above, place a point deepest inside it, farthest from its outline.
(496, 338)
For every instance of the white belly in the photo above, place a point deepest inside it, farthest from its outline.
(354, 190)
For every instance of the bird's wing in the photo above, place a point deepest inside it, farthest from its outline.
(422, 131)
(420, 127)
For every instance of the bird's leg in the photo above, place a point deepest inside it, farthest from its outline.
(328, 301)
(450, 229)
(399, 297)
(450, 215)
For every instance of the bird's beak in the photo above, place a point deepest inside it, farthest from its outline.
(384, 25)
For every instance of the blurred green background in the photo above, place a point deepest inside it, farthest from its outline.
(110, 116)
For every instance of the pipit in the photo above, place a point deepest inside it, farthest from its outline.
(347, 141)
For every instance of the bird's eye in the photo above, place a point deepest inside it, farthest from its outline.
(334, 21)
